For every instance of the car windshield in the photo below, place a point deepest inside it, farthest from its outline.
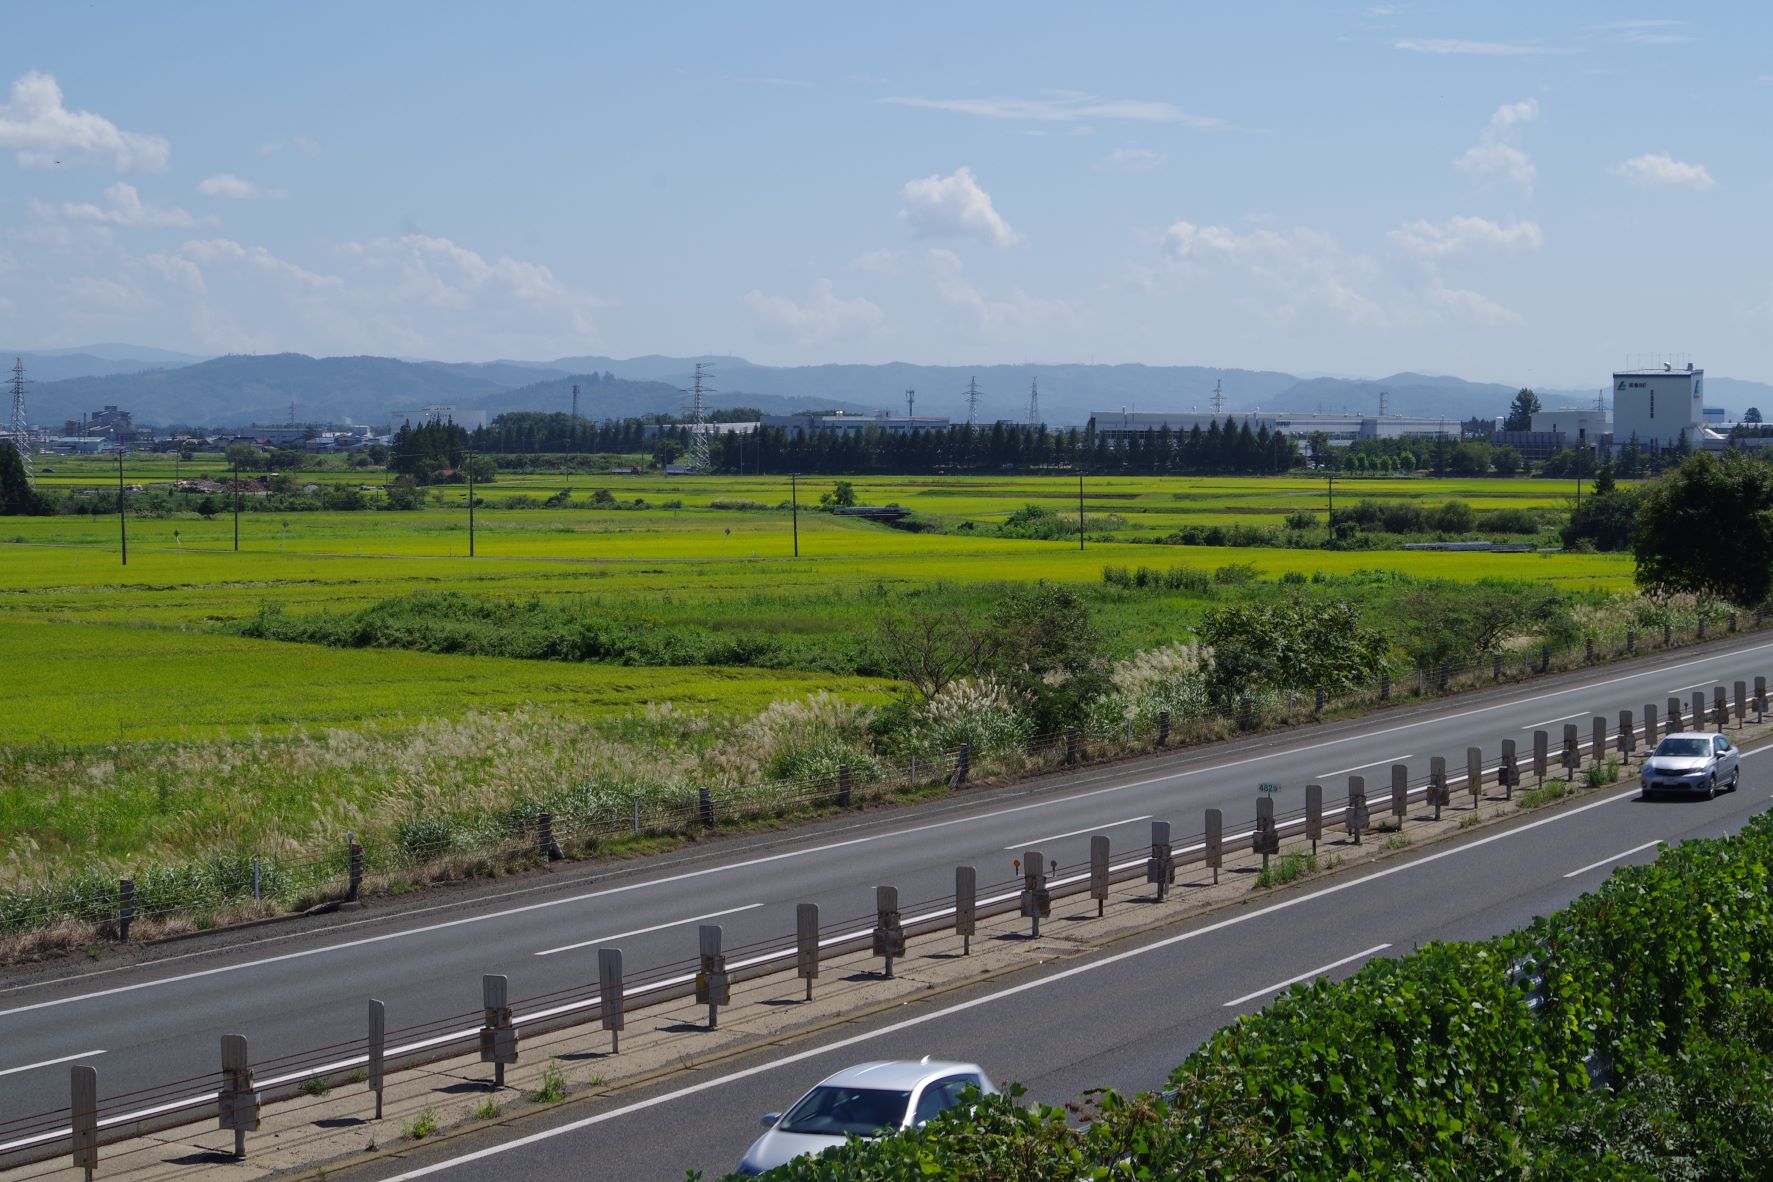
(1684, 748)
(839, 1111)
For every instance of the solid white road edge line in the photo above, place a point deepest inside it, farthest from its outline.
(657, 927)
(974, 1003)
(49, 1062)
(1167, 776)
(1636, 849)
(1305, 976)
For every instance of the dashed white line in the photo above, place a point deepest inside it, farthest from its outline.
(1375, 763)
(1566, 718)
(1034, 841)
(1317, 972)
(657, 927)
(1636, 849)
(49, 1062)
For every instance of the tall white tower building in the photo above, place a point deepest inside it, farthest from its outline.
(1658, 406)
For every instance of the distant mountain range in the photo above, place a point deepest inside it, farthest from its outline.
(165, 388)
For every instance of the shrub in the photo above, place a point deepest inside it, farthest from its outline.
(975, 711)
(1299, 519)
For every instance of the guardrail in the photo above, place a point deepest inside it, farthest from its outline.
(237, 1091)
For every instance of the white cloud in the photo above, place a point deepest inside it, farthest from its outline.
(824, 316)
(1021, 318)
(1645, 32)
(226, 184)
(955, 206)
(125, 208)
(1304, 270)
(1065, 107)
(1434, 240)
(876, 262)
(1660, 170)
(43, 132)
(440, 273)
(227, 251)
(1130, 160)
(1455, 46)
(1495, 153)
(1469, 305)
(95, 293)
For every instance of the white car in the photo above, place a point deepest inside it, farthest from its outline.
(1692, 763)
(865, 1101)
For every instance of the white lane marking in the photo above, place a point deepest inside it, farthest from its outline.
(1694, 686)
(1034, 841)
(1166, 777)
(974, 1003)
(1307, 976)
(1374, 763)
(49, 1062)
(657, 927)
(1531, 726)
(1636, 849)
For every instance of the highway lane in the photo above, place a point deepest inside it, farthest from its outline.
(290, 992)
(1126, 1017)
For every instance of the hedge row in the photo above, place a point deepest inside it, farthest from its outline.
(1647, 1054)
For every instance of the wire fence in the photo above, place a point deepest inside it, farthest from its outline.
(233, 886)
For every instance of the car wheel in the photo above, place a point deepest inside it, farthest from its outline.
(1711, 787)
(1735, 778)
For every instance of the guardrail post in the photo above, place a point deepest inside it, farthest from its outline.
(1354, 814)
(705, 807)
(1572, 755)
(1438, 794)
(806, 944)
(83, 1106)
(612, 996)
(1740, 689)
(354, 868)
(1215, 842)
(1631, 642)
(963, 763)
(1160, 868)
(1628, 736)
(1385, 685)
(1545, 658)
(1099, 872)
(498, 1037)
(1319, 707)
(1698, 710)
(1699, 633)
(1496, 667)
(1732, 621)
(1674, 714)
(1400, 792)
(889, 932)
(1314, 814)
(1265, 839)
(1508, 772)
(125, 906)
(1163, 728)
(1474, 773)
(713, 986)
(966, 902)
(635, 801)
(1441, 680)
(377, 1050)
(1070, 746)
(1246, 711)
(1036, 902)
(237, 1105)
(1760, 698)
(1541, 755)
(1720, 707)
(844, 786)
(546, 846)
(1598, 744)
(1649, 729)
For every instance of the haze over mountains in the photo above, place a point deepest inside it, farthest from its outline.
(165, 388)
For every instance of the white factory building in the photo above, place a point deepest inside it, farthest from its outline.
(1659, 406)
(1338, 428)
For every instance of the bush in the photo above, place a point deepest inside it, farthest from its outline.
(1299, 519)
(1454, 517)
(1235, 574)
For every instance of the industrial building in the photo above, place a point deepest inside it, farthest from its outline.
(855, 424)
(1660, 407)
(1338, 428)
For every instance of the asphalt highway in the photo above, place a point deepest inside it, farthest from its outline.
(1126, 1017)
(295, 988)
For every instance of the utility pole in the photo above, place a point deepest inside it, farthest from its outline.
(794, 500)
(575, 402)
(122, 516)
(236, 506)
(470, 504)
(1330, 476)
(1080, 512)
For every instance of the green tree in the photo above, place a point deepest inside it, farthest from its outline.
(1707, 528)
(1452, 623)
(404, 493)
(1521, 411)
(1752, 415)
(1048, 653)
(1295, 644)
(841, 496)
(1605, 519)
(484, 470)
(17, 497)
(244, 456)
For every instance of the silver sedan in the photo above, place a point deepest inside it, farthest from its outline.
(1692, 763)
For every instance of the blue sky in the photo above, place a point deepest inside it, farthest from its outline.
(1506, 191)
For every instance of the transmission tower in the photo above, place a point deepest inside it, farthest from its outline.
(1034, 402)
(575, 402)
(1381, 404)
(21, 433)
(910, 403)
(698, 416)
(1218, 396)
(973, 402)
(292, 412)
